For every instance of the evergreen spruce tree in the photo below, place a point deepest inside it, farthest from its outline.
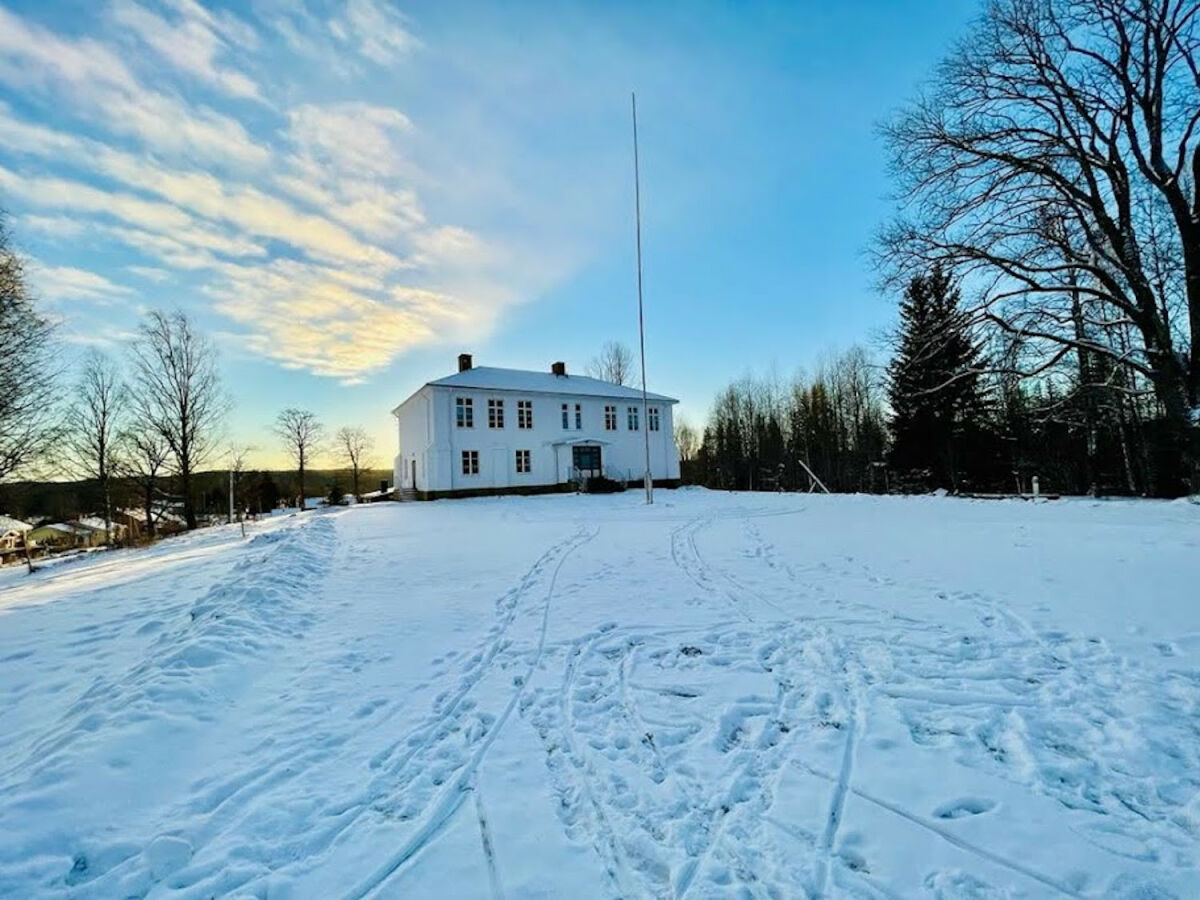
(939, 409)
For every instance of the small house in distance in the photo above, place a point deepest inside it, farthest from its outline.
(487, 430)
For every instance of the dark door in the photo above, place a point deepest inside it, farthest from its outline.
(414, 474)
(586, 459)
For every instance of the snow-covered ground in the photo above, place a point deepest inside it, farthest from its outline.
(721, 695)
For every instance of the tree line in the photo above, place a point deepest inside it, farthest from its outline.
(1045, 254)
(144, 425)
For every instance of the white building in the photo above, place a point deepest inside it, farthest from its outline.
(489, 430)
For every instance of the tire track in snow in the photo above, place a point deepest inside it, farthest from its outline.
(451, 798)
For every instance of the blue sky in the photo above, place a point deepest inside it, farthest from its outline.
(347, 194)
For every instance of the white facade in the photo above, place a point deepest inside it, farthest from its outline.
(487, 428)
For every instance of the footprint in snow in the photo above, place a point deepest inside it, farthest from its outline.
(964, 807)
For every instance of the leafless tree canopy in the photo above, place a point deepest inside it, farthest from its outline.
(686, 440)
(354, 445)
(615, 364)
(302, 435)
(1055, 166)
(28, 417)
(142, 457)
(93, 423)
(177, 393)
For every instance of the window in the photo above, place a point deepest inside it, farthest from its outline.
(633, 418)
(652, 421)
(610, 418)
(470, 462)
(464, 412)
(578, 417)
(566, 411)
(524, 413)
(523, 466)
(495, 414)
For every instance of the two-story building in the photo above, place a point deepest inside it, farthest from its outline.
(488, 430)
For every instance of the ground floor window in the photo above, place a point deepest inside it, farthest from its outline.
(523, 463)
(470, 462)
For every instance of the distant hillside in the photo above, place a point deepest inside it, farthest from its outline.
(257, 490)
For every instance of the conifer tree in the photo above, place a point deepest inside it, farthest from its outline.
(939, 409)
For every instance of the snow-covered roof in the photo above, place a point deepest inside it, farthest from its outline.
(8, 523)
(496, 379)
(66, 528)
(95, 523)
(160, 514)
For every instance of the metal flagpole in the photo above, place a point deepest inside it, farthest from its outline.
(637, 207)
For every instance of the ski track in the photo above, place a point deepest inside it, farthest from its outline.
(448, 802)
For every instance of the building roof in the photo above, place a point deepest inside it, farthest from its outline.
(8, 523)
(492, 378)
(65, 528)
(96, 523)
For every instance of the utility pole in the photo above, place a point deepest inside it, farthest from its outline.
(637, 209)
(231, 496)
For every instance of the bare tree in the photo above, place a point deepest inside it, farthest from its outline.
(93, 423)
(1057, 157)
(302, 435)
(142, 458)
(615, 364)
(28, 415)
(238, 454)
(354, 444)
(686, 440)
(177, 393)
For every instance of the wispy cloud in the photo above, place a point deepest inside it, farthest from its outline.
(92, 79)
(190, 38)
(301, 216)
(57, 283)
(374, 29)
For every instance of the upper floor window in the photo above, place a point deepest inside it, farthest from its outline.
(470, 462)
(610, 418)
(464, 412)
(652, 420)
(495, 414)
(632, 420)
(524, 413)
(578, 417)
(566, 411)
(523, 462)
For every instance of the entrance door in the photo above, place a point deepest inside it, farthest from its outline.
(586, 460)
(413, 483)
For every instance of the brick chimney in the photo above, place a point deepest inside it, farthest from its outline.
(464, 362)
(558, 368)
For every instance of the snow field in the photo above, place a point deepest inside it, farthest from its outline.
(722, 695)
